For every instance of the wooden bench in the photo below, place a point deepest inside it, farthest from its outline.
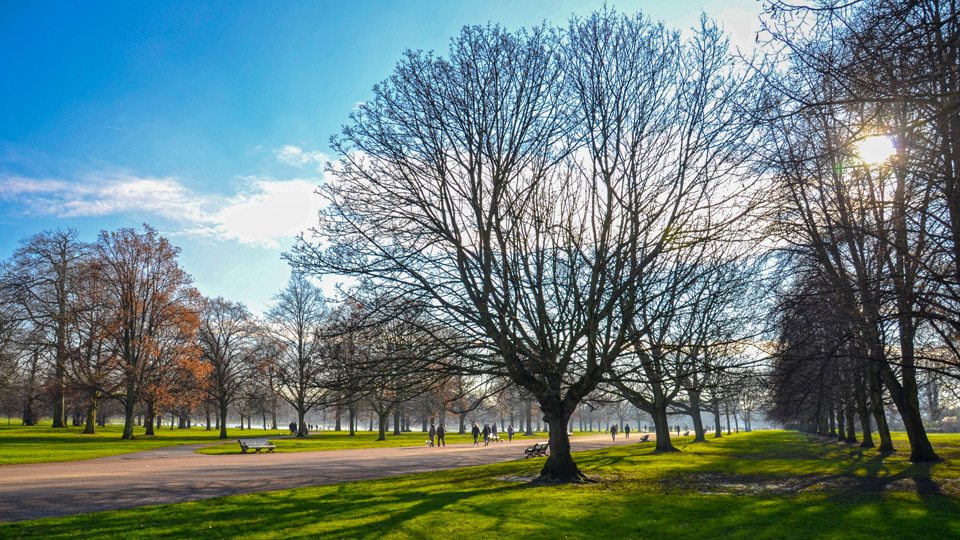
(537, 450)
(644, 438)
(256, 446)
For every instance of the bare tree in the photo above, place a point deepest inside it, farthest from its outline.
(519, 188)
(228, 338)
(296, 320)
(44, 271)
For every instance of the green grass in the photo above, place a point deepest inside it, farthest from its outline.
(43, 444)
(758, 485)
(342, 440)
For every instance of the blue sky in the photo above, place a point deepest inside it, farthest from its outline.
(210, 120)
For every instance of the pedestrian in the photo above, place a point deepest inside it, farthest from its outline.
(626, 431)
(486, 434)
(613, 432)
(493, 430)
(510, 433)
(432, 433)
(293, 428)
(678, 430)
(441, 433)
(475, 432)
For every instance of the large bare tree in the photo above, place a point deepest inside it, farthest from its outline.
(519, 187)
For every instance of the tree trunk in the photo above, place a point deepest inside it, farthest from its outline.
(664, 444)
(865, 425)
(222, 404)
(560, 466)
(352, 411)
(529, 407)
(717, 425)
(90, 427)
(841, 425)
(726, 409)
(876, 403)
(832, 420)
(909, 408)
(336, 426)
(301, 423)
(396, 421)
(463, 423)
(699, 435)
(851, 424)
(382, 416)
(128, 407)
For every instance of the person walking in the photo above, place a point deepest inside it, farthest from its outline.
(493, 430)
(486, 434)
(678, 430)
(432, 433)
(476, 433)
(613, 432)
(626, 431)
(510, 433)
(441, 433)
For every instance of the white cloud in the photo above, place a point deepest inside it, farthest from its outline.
(295, 156)
(269, 212)
(265, 212)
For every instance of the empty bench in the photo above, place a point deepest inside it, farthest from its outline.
(256, 446)
(537, 450)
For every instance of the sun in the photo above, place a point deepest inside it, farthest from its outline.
(876, 149)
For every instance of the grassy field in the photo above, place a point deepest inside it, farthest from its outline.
(341, 440)
(43, 444)
(758, 485)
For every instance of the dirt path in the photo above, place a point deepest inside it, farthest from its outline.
(176, 474)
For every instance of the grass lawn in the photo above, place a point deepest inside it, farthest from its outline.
(758, 485)
(43, 444)
(341, 440)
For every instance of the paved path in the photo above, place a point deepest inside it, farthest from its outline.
(175, 474)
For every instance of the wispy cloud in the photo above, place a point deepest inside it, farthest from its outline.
(297, 157)
(264, 211)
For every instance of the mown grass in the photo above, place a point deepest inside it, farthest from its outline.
(342, 440)
(758, 485)
(43, 444)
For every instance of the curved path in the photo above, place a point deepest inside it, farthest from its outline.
(176, 474)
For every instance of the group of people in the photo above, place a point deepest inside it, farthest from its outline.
(439, 433)
(614, 430)
(488, 432)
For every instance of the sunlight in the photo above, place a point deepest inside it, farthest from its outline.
(876, 149)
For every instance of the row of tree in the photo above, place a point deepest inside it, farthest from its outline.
(871, 314)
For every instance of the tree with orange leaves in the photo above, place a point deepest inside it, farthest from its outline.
(156, 312)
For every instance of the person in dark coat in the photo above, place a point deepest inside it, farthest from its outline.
(441, 433)
(613, 432)
(476, 433)
(510, 433)
(626, 431)
(432, 433)
(486, 434)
